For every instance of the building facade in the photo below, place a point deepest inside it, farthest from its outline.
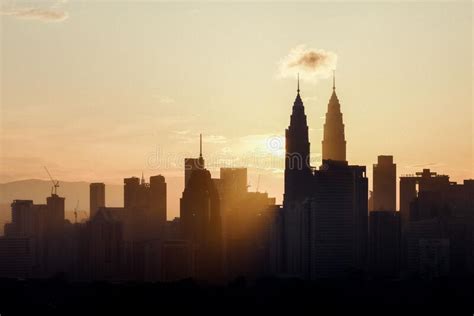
(384, 184)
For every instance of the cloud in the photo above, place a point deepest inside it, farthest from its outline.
(426, 165)
(215, 139)
(310, 99)
(48, 14)
(182, 132)
(164, 99)
(310, 63)
(189, 137)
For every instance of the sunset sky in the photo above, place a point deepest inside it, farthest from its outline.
(105, 90)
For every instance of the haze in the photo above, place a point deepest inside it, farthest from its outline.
(111, 89)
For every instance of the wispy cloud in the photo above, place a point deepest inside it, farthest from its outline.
(50, 13)
(164, 99)
(216, 139)
(310, 99)
(426, 165)
(310, 63)
(189, 137)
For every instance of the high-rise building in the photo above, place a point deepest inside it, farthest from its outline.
(130, 192)
(246, 217)
(334, 143)
(96, 197)
(192, 164)
(384, 243)
(18, 257)
(234, 182)
(54, 241)
(246, 234)
(201, 223)
(22, 247)
(28, 219)
(158, 201)
(384, 184)
(45, 224)
(325, 214)
(297, 158)
(440, 210)
(147, 201)
(55, 214)
(412, 185)
(103, 245)
(339, 220)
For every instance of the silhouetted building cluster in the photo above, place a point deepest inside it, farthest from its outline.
(437, 225)
(223, 231)
(327, 230)
(324, 210)
(327, 227)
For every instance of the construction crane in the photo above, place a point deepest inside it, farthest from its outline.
(55, 186)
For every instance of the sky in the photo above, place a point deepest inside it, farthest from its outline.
(100, 91)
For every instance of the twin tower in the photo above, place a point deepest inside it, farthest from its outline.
(298, 171)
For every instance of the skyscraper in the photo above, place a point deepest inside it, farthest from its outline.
(384, 184)
(96, 197)
(234, 182)
(55, 215)
(192, 164)
(54, 242)
(201, 222)
(425, 181)
(441, 223)
(130, 192)
(384, 243)
(339, 220)
(158, 201)
(334, 143)
(297, 168)
(325, 210)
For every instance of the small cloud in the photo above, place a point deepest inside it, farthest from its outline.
(215, 139)
(183, 132)
(426, 165)
(310, 99)
(49, 14)
(164, 99)
(310, 63)
(189, 137)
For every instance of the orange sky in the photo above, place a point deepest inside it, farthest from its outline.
(102, 91)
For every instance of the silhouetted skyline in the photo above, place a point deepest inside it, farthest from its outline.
(323, 229)
(140, 99)
(234, 185)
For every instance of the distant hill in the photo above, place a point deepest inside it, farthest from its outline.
(38, 190)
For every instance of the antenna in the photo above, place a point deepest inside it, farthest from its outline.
(55, 183)
(298, 89)
(334, 79)
(75, 212)
(200, 145)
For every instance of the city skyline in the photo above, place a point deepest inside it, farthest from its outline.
(236, 157)
(107, 108)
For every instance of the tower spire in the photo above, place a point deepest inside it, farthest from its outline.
(143, 179)
(334, 143)
(200, 145)
(298, 89)
(334, 80)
